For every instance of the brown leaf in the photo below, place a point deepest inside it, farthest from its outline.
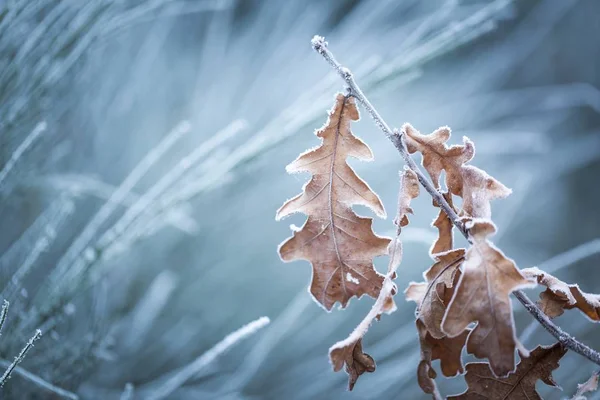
(437, 156)
(447, 350)
(432, 297)
(409, 189)
(444, 225)
(478, 190)
(357, 362)
(520, 385)
(339, 244)
(482, 295)
(591, 385)
(345, 351)
(560, 296)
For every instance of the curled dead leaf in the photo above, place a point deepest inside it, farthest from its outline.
(438, 156)
(349, 351)
(482, 295)
(520, 385)
(339, 244)
(357, 362)
(433, 296)
(560, 296)
(444, 225)
(479, 189)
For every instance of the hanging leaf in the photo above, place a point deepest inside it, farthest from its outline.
(444, 225)
(560, 296)
(349, 351)
(479, 189)
(433, 296)
(520, 385)
(482, 295)
(437, 156)
(339, 244)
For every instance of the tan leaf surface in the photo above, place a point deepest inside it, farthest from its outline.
(479, 189)
(447, 350)
(520, 385)
(409, 190)
(444, 225)
(349, 351)
(591, 385)
(357, 362)
(560, 296)
(432, 297)
(482, 295)
(339, 244)
(437, 156)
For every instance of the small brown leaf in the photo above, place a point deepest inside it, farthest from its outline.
(560, 296)
(357, 362)
(345, 351)
(520, 385)
(433, 296)
(447, 350)
(478, 190)
(409, 189)
(591, 385)
(482, 296)
(444, 225)
(339, 244)
(437, 156)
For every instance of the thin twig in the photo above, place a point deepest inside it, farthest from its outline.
(3, 313)
(320, 45)
(40, 382)
(20, 357)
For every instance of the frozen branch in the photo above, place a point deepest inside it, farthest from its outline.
(320, 46)
(40, 382)
(19, 358)
(22, 148)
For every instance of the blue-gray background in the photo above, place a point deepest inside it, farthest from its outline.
(112, 78)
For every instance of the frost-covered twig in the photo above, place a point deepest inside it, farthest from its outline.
(160, 389)
(20, 357)
(5, 305)
(320, 45)
(591, 385)
(22, 148)
(40, 382)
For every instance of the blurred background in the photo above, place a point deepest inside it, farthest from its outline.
(142, 155)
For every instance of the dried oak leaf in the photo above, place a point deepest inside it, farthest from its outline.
(349, 351)
(482, 295)
(409, 190)
(520, 385)
(437, 156)
(591, 385)
(339, 244)
(447, 350)
(560, 296)
(357, 362)
(478, 190)
(433, 296)
(444, 225)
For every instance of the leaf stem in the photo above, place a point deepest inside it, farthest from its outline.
(320, 46)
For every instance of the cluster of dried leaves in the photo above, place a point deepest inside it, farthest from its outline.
(464, 300)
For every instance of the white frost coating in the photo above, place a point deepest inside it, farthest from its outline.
(295, 228)
(181, 376)
(352, 279)
(378, 308)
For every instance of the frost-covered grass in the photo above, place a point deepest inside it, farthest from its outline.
(136, 241)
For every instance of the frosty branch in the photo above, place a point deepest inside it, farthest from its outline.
(320, 45)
